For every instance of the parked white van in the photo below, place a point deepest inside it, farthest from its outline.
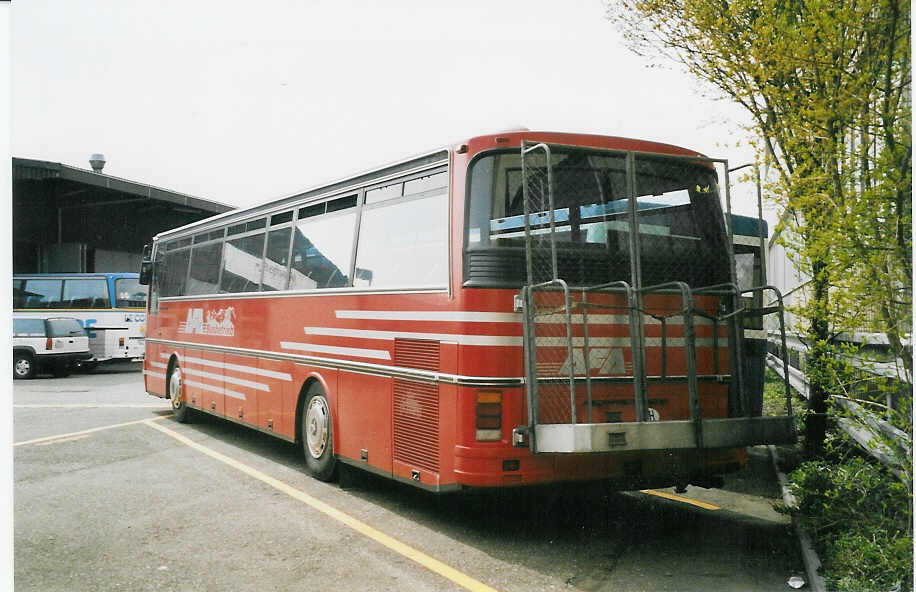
(56, 344)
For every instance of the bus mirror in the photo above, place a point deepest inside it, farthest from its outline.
(146, 272)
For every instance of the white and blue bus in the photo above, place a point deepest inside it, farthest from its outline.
(111, 307)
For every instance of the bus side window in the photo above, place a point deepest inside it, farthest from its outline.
(155, 288)
(404, 243)
(86, 292)
(205, 264)
(322, 252)
(175, 275)
(275, 260)
(242, 264)
(19, 295)
(42, 293)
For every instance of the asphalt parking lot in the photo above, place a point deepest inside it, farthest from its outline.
(112, 494)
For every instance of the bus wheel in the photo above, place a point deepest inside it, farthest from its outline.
(317, 437)
(179, 407)
(23, 365)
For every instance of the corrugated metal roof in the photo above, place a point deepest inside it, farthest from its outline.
(25, 169)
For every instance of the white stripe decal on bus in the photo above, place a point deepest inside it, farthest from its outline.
(230, 379)
(154, 374)
(215, 389)
(237, 367)
(391, 335)
(158, 365)
(625, 342)
(500, 317)
(375, 354)
(430, 315)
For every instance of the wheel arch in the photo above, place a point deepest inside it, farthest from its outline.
(312, 379)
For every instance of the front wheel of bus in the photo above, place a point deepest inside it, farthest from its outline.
(179, 407)
(317, 435)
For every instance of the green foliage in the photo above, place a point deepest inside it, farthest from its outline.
(774, 394)
(774, 399)
(827, 84)
(860, 517)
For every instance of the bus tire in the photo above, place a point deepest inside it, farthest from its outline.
(317, 435)
(23, 365)
(179, 406)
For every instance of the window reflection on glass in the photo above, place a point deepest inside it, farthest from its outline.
(404, 244)
(86, 293)
(242, 264)
(172, 282)
(275, 261)
(204, 276)
(321, 252)
(39, 294)
(130, 293)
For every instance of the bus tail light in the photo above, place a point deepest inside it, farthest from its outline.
(489, 415)
(49, 344)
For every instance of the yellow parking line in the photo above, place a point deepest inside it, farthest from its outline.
(678, 498)
(91, 406)
(395, 545)
(89, 431)
(61, 440)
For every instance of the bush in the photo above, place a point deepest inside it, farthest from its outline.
(859, 516)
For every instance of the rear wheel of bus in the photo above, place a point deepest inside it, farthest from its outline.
(317, 435)
(179, 406)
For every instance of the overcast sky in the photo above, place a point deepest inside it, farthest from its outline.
(241, 102)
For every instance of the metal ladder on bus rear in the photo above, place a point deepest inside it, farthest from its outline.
(646, 433)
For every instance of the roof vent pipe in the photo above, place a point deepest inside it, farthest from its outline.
(98, 162)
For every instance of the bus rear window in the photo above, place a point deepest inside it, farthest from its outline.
(679, 219)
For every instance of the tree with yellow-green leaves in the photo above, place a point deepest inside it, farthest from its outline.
(828, 88)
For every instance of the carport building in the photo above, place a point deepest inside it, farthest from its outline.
(67, 219)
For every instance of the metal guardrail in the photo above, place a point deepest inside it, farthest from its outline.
(895, 369)
(873, 434)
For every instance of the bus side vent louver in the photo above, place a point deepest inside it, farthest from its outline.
(422, 354)
(416, 424)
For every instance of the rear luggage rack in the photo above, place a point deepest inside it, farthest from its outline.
(585, 347)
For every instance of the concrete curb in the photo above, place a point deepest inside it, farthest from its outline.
(809, 556)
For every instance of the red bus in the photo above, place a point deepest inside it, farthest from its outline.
(517, 308)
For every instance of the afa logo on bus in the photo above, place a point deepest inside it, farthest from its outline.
(216, 322)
